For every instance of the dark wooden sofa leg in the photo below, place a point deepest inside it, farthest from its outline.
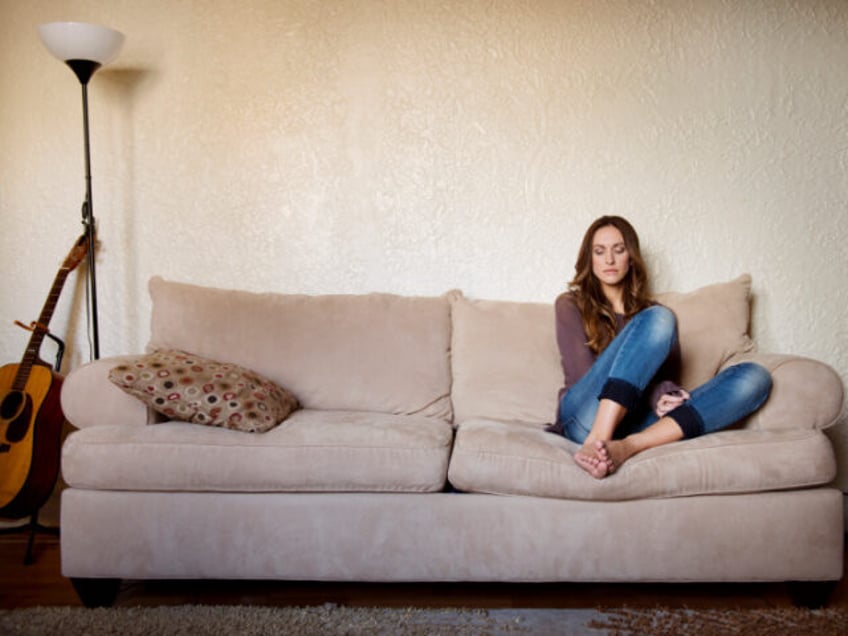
(96, 592)
(810, 594)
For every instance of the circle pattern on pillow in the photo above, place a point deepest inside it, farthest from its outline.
(190, 388)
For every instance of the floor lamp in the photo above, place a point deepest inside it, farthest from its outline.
(85, 48)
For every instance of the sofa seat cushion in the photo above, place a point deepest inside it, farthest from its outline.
(517, 459)
(311, 451)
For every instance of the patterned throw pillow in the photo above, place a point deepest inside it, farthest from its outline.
(187, 387)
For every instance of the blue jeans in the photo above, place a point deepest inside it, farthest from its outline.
(626, 368)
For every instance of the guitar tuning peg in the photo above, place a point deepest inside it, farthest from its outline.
(32, 326)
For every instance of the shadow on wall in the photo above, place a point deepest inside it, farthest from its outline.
(121, 88)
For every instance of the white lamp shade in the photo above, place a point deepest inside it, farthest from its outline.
(81, 41)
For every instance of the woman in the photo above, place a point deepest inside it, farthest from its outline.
(620, 360)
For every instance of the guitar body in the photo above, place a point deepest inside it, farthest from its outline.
(31, 417)
(31, 422)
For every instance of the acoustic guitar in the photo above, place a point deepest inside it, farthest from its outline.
(31, 416)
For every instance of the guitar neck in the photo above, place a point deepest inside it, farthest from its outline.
(40, 329)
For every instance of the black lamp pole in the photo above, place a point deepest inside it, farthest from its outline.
(84, 69)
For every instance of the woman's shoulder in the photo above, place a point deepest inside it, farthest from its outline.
(566, 299)
(566, 303)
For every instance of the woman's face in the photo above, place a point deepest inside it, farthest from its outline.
(610, 258)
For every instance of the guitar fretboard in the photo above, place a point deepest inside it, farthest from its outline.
(40, 329)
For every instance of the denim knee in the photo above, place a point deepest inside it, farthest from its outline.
(658, 325)
(755, 382)
(661, 319)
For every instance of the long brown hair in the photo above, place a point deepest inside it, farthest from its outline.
(597, 312)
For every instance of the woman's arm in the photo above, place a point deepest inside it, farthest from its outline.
(576, 357)
(667, 394)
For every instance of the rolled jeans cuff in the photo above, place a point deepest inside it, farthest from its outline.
(688, 420)
(620, 392)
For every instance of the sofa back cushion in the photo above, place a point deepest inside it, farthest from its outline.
(712, 325)
(370, 352)
(506, 363)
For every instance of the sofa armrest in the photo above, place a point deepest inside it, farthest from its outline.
(806, 393)
(90, 399)
(838, 436)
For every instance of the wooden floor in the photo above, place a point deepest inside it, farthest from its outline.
(42, 584)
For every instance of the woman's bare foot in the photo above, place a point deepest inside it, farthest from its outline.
(602, 458)
(595, 459)
(617, 452)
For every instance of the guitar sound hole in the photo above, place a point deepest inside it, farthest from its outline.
(11, 405)
(19, 425)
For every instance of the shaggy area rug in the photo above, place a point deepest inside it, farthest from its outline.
(332, 620)
(723, 622)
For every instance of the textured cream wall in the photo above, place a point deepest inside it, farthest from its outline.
(417, 146)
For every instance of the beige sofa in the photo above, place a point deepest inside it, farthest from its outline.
(419, 455)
